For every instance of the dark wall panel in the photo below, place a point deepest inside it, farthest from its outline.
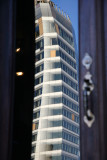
(17, 29)
(91, 40)
(7, 59)
(24, 85)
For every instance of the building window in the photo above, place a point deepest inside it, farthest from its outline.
(56, 158)
(70, 126)
(66, 36)
(37, 103)
(34, 137)
(66, 58)
(71, 115)
(57, 111)
(54, 41)
(70, 149)
(35, 126)
(56, 76)
(40, 44)
(39, 57)
(36, 115)
(55, 123)
(69, 71)
(57, 65)
(53, 53)
(71, 138)
(38, 92)
(37, 31)
(70, 82)
(39, 68)
(57, 88)
(66, 48)
(67, 158)
(39, 80)
(70, 104)
(33, 149)
(69, 93)
(57, 146)
(65, 68)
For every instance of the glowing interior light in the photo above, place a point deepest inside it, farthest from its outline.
(18, 50)
(19, 73)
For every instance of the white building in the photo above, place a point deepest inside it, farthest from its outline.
(55, 134)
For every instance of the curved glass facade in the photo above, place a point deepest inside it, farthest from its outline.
(55, 128)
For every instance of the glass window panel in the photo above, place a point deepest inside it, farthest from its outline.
(34, 137)
(54, 41)
(37, 30)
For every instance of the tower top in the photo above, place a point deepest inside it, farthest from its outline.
(42, 1)
(53, 5)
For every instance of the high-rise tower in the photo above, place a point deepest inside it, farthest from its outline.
(55, 131)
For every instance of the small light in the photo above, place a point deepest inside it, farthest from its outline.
(19, 73)
(18, 50)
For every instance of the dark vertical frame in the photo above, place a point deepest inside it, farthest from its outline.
(7, 57)
(24, 86)
(105, 71)
(17, 22)
(93, 39)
